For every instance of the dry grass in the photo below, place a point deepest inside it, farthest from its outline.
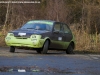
(2, 39)
(85, 42)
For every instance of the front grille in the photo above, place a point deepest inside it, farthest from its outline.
(21, 37)
(25, 36)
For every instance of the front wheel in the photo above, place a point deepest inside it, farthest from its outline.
(70, 50)
(45, 47)
(39, 50)
(12, 49)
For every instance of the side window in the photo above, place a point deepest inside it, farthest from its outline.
(66, 29)
(58, 27)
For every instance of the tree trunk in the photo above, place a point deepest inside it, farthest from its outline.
(6, 19)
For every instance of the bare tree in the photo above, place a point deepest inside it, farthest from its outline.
(6, 19)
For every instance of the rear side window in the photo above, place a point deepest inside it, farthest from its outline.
(57, 27)
(66, 29)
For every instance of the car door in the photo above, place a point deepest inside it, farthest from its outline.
(57, 36)
(67, 33)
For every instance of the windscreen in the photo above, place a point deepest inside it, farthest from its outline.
(37, 25)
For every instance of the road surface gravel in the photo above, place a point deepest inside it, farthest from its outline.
(28, 62)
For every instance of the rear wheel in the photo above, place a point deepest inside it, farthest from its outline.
(12, 49)
(70, 49)
(45, 47)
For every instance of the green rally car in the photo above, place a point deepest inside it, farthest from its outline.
(42, 35)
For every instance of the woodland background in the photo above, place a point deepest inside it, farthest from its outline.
(82, 16)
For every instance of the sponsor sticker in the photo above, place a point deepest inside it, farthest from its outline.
(20, 1)
(21, 34)
(21, 70)
(44, 22)
(59, 38)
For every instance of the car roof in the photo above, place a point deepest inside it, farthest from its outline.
(44, 21)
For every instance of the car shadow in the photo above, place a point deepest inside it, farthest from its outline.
(33, 52)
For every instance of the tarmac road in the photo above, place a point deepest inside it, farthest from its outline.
(28, 62)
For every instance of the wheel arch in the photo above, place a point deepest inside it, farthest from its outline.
(47, 38)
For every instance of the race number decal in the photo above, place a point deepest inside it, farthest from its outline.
(59, 38)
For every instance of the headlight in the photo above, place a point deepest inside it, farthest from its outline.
(33, 36)
(11, 34)
(34, 40)
(8, 38)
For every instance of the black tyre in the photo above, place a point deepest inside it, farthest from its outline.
(38, 50)
(70, 49)
(12, 49)
(45, 47)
